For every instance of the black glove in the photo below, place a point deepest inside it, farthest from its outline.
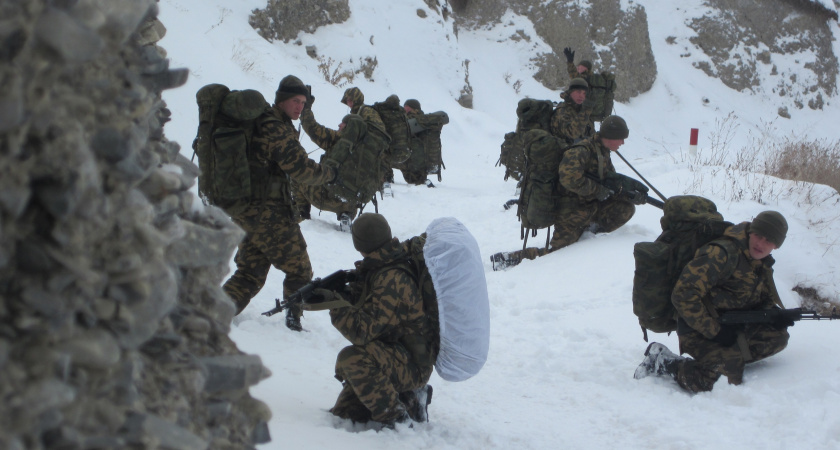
(603, 194)
(636, 197)
(310, 99)
(570, 55)
(727, 335)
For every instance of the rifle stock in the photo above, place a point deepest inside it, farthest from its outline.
(334, 281)
(772, 315)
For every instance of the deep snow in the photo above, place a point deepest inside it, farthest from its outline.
(564, 342)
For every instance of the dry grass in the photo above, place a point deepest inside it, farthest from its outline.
(811, 299)
(812, 161)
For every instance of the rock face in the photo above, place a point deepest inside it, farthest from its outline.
(113, 327)
(741, 41)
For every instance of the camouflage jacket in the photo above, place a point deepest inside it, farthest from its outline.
(322, 136)
(723, 276)
(370, 115)
(590, 156)
(387, 303)
(570, 121)
(277, 155)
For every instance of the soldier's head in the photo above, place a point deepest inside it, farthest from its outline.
(370, 232)
(584, 67)
(613, 132)
(411, 105)
(767, 233)
(291, 96)
(577, 90)
(393, 100)
(353, 97)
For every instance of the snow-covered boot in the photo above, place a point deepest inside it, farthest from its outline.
(658, 361)
(386, 190)
(503, 260)
(344, 222)
(510, 203)
(428, 183)
(417, 403)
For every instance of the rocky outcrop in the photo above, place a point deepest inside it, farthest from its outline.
(614, 39)
(113, 328)
(750, 45)
(283, 20)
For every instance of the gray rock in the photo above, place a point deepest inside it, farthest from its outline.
(233, 373)
(94, 349)
(155, 432)
(66, 36)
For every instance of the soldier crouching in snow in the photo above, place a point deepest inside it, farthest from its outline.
(384, 373)
(731, 273)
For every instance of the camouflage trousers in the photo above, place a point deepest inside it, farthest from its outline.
(711, 360)
(272, 239)
(373, 376)
(606, 216)
(321, 198)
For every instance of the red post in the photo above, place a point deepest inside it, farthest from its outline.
(692, 143)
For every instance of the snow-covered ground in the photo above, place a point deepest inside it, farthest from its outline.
(564, 341)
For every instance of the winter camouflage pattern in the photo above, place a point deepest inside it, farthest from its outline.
(387, 312)
(273, 236)
(723, 276)
(570, 121)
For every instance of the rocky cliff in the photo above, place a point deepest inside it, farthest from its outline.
(113, 328)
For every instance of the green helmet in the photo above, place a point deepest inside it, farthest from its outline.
(614, 127)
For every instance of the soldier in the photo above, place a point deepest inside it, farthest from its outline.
(385, 370)
(412, 106)
(273, 236)
(584, 203)
(582, 69)
(355, 99)
(731, 273)
(570, 121)
(305, 196)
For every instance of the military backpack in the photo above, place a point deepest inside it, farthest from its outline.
(426, 147)
(539, 197)
(602, 92)
(356, 157)
(446, 263)
(228, 121)
(396, 125)
(531, 114)
(688, 223)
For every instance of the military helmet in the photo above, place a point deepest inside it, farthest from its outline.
(614, 127)
(577, 83)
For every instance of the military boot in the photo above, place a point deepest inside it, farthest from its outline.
(658, 361)
(344, 222)
(293, 319)
(503, 260)
(417, 403)
(395, 415)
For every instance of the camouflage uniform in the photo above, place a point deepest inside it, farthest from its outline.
(304, 195)
(387, 318)
(570, 121)
(273, 235)
(370, 115)
(579, 208)
(722, 277)
(571, 68)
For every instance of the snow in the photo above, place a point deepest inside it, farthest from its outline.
(564, 342)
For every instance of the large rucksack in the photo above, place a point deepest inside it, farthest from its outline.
(688, 223)
(356, 157)
(602, 92)
(425, 130)
(539, 197)
(447, 264)
(531, 114)
(228, 121)
(396, 125)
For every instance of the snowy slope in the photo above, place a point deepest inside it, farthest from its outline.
(564, 342)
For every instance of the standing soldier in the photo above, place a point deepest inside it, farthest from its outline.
(582, 69)
(385, 370)
(273, 236)
(585, 204)
(355, 99)
(570, 121)
(731, 273)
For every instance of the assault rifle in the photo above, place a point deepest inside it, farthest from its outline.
(774, 315)
(628, 188)
(334, 282)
